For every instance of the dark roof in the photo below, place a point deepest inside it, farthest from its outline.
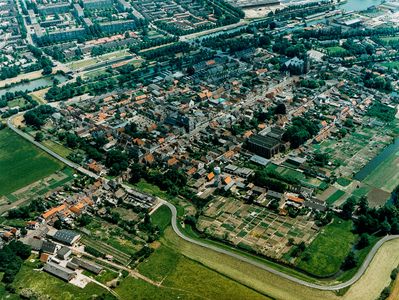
(49, 247)
(88, 265)
(66, 236)
(263, 141)
(271, 193)
(59, 271)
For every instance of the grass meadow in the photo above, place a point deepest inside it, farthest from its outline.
(21, 163)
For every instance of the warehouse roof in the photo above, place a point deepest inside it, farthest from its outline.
(66, 236)
(59, 271)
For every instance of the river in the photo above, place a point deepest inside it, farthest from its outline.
(31, 85)
(376, 161)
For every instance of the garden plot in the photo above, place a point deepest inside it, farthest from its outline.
(255, 228)
(106, 249)
(354, 151)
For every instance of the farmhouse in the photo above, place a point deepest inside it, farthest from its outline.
(66, 236)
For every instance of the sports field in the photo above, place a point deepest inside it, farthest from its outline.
(21, 163)
(335, 49)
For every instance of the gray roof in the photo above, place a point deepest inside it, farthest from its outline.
(35, 244)
(59, 271)
(63, 251)
(71, 265)
(260, 160)
(66, 236)
(88, 265)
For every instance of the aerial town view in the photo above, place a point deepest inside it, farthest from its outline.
(199, 149)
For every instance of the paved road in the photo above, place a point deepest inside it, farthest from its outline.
(177, 231)
(315, 286)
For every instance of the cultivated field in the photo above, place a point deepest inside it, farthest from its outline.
(22, 163)
(33, 191)
(386, 176)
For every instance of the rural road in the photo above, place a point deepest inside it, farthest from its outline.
(247, 260)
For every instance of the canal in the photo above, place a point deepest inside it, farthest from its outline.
(376, 161)
(34, 84)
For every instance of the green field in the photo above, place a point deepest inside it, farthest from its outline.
(335, 49)
(362, 191)
(329, 249)
(344, 181)
(196, 278)
(17, 102)
(22, 163)
(57, 148)
(54, 287)
(386, 176)
(334, 197)
(161, 217)
(390, 38)
(160, 263)
(391, 64)
(139, 289)
(151, 189)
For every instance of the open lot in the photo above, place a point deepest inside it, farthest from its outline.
(159, 264)
(329, 249)
(22, 163)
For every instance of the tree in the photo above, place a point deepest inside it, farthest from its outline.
(38, 136)
(58, 224)
(364, 240)
(385, 227)
(84, 220)
(24, 231)
(395, 227)
(136, 173)
(342, 132)
(280, 109)
(72, 140)
(349, 206)
(291, 241)
(351, 260)
(47, 70)
(348, 123)
(190, 70)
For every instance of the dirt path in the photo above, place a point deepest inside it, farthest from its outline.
(18, 121)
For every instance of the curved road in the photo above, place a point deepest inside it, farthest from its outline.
(271, 270)
(247, 260)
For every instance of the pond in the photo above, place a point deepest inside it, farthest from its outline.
(31, 85)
